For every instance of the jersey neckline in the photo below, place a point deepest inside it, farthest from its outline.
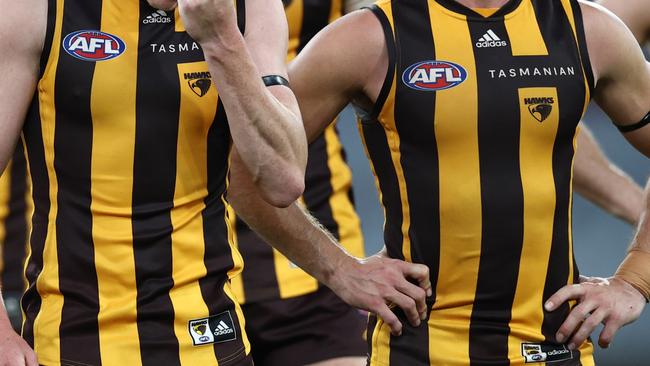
(459, 8)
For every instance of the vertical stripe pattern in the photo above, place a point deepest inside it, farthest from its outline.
(13, 221)
(488, 172)
(460, 225)
(112, 159)
(127, 226)
(72, 162)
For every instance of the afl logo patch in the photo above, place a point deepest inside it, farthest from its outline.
(434, 75)
(88, 45)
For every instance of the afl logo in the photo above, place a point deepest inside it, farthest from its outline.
(434, 75)
(88, 45)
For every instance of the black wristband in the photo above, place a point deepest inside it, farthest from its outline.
(636, 126)
(271, 80)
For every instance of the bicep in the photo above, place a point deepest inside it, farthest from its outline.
(21, 41)
(335, 68)
(633, 13)
(623, 74)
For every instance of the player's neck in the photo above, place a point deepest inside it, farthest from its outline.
(472, 4)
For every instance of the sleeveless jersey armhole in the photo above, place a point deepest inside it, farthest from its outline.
(392, 56)
(241, 15)
(49, 36)
(582, 45)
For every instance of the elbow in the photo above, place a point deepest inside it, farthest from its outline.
(286, 189)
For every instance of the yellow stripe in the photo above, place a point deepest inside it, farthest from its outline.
(336, 10)
(29, 213)
(537, 140)
(524, 33)
(387, 119)
(112, 183)
(380, 344)
(343, 211)
(566, 4)
(587, 354)
(188, 245)
(240, 316)
(292, 281)
(5, 188)
(456, 128)
(486, 12)
(178, 22)
(237, 282)
(47, 322)
(294, 13)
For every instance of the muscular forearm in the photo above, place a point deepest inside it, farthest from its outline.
(604, 184)
(635, 269)
(269, 137)
(642, 238)
(291, 230)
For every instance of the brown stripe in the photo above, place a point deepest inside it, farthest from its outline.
(79, 333)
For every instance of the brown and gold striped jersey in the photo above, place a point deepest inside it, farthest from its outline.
(128, 148)
(472, 143)
(15, 210)
(267, 274)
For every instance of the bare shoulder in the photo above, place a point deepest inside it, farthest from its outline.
(24, 31)
(608, 38)
(634, 13)
(355, 47)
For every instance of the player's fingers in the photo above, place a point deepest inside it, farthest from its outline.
(416, 293)
(418, 272)
(612, 325)
(407, 305)
(587, 327)
(569, 292)
(571, 323)
(389, 318)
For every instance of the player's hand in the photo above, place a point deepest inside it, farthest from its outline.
(376, 283)
(610, 301)
(205, 19)
(14, 351)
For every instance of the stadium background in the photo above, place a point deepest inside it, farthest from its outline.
(600, 240)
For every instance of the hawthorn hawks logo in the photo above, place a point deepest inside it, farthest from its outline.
(540, 108)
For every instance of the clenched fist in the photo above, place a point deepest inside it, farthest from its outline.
(208, 20)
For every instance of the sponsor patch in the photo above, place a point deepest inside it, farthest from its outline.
(434, 75)
(215, 329)
(89, 45)
(536, 352)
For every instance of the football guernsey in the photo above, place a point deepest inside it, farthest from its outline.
(472, 143)
(128, 150)
(15, 210)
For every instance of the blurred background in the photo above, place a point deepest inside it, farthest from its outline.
(600, 240)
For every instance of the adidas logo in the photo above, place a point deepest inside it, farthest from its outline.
(157, 17)
(223, 328)
(490, 39)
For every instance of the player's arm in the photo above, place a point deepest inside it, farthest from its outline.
(325, 79)
(265, 122)
(22, 34)
(622, 74)
(634, 13)
(623, 92)
(601, 182)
